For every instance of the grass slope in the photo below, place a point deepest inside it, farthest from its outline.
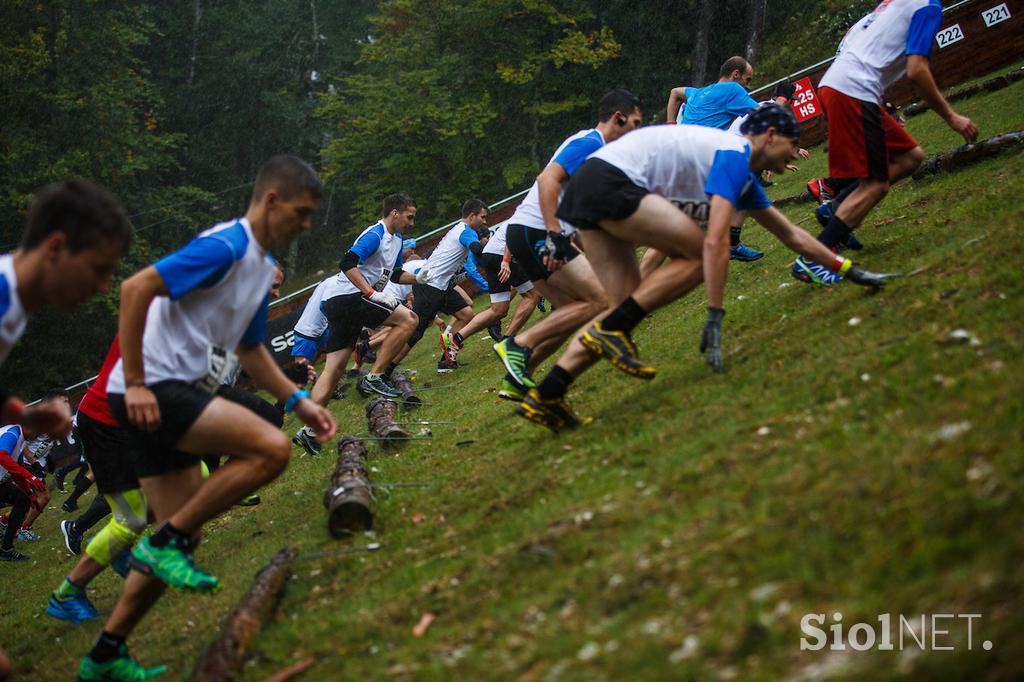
(866, 469)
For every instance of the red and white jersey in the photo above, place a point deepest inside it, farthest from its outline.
(873, 55)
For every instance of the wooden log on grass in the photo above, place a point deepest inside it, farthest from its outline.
(380, 415)
(969, 153)
(349, 499)
(226, 656)
(404, 384)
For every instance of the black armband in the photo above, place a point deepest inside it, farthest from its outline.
(348, 261)
(396, 275)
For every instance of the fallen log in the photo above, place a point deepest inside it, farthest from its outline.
(968, 153)
(226, 655)
(404, 384)
(380, 415)
(349, 499)
(990, 85)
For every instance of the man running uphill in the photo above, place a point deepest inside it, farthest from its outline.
(653, 188)
(182, 321)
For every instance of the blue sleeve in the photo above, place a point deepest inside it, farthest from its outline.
(257, 329)
(201, 263)
(923, 27)
(8, 442)
(366, 245)
(728, 176)
(740, 102)
(468, 237)
(577, 151)
(753, 197)
(474, 273)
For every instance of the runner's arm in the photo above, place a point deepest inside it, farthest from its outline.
(716, 249)
(676, 99)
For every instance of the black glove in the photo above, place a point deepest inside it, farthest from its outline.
(785, 89)
(557, 246)
(711, 339)
(865, 278)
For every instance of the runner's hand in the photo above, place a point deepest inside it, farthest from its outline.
(317, 418)
(504, 272)
(866, 278)
(964, 126)
(423, 276)
(711, 339)
(143, 410)
(388, 300)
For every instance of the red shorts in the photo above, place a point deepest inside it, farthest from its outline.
(862, 137)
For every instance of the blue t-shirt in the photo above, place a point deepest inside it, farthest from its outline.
(715, 105)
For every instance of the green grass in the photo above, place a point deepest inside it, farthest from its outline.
(717, 509)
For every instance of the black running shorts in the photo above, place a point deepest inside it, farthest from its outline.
(347, 315)
(108, 452)
(523, 243)
(598, 191)
(428, 302)
(492, 266)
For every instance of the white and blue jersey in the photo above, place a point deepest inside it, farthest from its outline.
(380, 254)
(12, 441)
(873, 55)
(217, 299)
(12, 315)
(496, 244)
(311, 327)
(570, 155)
(450, 254)
(687, 165)
(715, 105)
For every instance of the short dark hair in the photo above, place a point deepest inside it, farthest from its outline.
(733, 64)
(86, 213)
(617, 100)
(289, 175)
(397, 202)
(55, 393)
(472, 207)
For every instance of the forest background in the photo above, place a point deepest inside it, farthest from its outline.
(174, 105)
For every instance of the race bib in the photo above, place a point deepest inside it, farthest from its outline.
(381, 283)
(221, 368)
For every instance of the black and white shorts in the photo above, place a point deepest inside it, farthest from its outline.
(347, 315)
(598, 191)
(428, 302)
(108, 452)
(502, 291)
(523, 243)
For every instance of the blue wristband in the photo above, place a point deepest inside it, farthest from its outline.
(294, 399)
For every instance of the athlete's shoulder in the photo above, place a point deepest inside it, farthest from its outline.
(234, 233)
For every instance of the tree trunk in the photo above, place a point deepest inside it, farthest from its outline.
(700, 44)
(757, 12)
(195, 43)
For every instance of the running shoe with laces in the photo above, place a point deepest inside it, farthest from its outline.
(742, 252)
(821, 192)
(444, 365)
(75, 609)
(618, 348)
(122, 668)
(27, 535)
(511, 389)
(447, 339)
(555, 414)
(494, 331)
(12, 555)
(824, 214)
(542, 305)
(72, 538)
(173, 565)
(372, 383)
(308, 442)
(516, 359)
(812, 273)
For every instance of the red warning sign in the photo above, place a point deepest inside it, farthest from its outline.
(805, 100)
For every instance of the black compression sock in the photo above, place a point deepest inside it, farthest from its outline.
(106, 647)
(734, 235)
(628, 315)
(835, 234)
(556, 384)
(165, 534)
(458, 339)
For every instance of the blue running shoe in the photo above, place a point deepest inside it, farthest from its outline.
(75, 610)
(27, 535)
(742, 252)
(812, 273)
(824, 213)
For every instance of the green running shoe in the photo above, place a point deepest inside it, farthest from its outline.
(619, 350)
(122, 668)
(511, 389)
(516, 359)
(173, 565)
